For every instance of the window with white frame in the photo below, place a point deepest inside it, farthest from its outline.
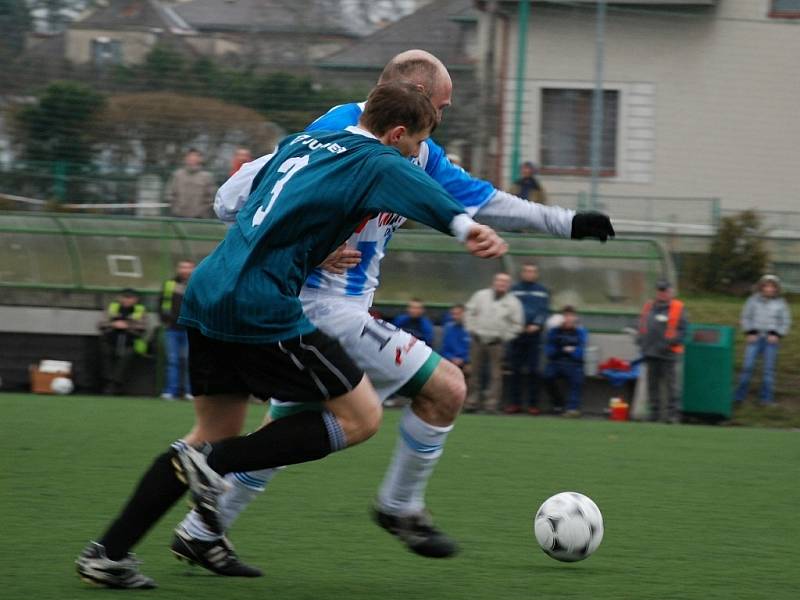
(566, 131)
(785, 9)
(106, 51)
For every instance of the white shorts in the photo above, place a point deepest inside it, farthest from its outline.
(389, 356)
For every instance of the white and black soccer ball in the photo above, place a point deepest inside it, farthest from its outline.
(62, 385)
(568, 526)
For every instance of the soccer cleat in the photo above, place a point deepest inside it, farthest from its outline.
(217, 556)
(205, 486)
(95, 568)
(418, 533)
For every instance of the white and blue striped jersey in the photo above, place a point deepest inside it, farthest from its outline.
(372, 236)
(478, 197)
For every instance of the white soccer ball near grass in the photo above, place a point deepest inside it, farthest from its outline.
(568, 526)
(62, 386)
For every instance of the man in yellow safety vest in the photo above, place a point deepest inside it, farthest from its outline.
(122, 334)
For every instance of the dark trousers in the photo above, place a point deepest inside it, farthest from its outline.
(523, 357)
(116, 349)
(573, 373)
(661, 372)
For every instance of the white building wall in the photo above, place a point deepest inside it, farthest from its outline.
(709, 102)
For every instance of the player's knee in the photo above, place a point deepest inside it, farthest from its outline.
(365, 425)
(456, 390)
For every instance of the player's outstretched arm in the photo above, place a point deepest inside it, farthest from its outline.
(508, 212)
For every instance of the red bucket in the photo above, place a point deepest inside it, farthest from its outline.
(619, 412)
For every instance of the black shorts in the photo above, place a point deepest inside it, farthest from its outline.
(308, 368)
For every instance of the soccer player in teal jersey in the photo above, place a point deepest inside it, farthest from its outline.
(247, 331)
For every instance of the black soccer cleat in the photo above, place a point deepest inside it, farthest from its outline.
(217, 556)
(95, 568)
(205, 486)
(418, 533)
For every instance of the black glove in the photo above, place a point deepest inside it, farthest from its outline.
(591, 224)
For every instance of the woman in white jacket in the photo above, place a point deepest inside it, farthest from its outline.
(765, 320)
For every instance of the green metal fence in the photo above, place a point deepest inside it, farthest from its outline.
(102, 254)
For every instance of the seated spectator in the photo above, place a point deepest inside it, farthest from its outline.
(122, 335)
(565, 348)
(456, 339)
(765, 320)
(415, 322)
(176, 342)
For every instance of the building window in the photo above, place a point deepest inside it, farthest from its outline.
(785, 9)
(566, 132)
(106, 51)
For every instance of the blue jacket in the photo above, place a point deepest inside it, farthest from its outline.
(559, 338)
(455, 342)
(535, 300)
(420, 328)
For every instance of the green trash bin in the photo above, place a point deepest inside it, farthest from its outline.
(708, 370)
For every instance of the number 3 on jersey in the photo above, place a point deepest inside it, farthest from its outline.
(290, 167)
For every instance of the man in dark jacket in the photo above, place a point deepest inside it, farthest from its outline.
(176, 343)
(456, 339)
(565, 349)
(524, 349)
(415, 322)
(527, 186)
(662, 328)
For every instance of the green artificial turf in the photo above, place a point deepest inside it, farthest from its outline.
(690, 512)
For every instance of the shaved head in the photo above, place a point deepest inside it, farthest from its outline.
(423, 69)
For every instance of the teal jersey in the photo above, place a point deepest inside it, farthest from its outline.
(306, 201)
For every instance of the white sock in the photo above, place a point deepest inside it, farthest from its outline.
(418, 450)
(244, 489)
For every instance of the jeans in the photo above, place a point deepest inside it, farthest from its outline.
(524, 358)
(176, 344)
(751, 354)
(573, 373)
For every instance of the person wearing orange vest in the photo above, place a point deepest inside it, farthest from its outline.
(662, 328)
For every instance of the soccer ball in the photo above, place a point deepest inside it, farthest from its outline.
(62, 385)
(568, 526)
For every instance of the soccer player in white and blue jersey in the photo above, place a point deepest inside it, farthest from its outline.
(338, 304)
(247, 330)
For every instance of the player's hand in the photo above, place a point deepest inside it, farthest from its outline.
(483, 242)
(341, 259)
(591, 224)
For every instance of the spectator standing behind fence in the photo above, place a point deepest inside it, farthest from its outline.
(524, 350)
(456, 340)
(765, 320)
(527, 186)
(415, 322)
(493, 317)
(565, 349)
(122, 333)
(662, 329)
(190, 191)
(176, 342)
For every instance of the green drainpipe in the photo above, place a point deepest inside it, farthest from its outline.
(522, 48)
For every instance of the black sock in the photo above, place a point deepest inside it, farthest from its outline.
(290, 440)
(157, 491)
